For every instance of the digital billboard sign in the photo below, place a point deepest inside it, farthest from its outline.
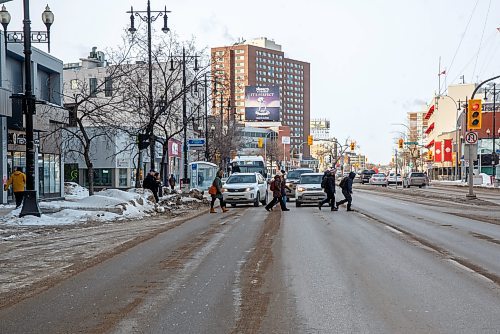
(262, 103)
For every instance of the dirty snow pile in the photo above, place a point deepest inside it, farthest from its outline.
(73, 190)
(106, 205)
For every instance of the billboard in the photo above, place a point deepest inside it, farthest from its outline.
(262, 103)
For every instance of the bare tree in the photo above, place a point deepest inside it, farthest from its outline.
(92, 100)
(159, 116)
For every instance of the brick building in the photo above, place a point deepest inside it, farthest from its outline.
(261, 62)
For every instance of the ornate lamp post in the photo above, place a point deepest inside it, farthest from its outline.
(149, 17)
(27, 36)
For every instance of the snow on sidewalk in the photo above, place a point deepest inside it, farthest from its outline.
(103, 206)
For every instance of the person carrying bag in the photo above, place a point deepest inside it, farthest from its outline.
(216, 192)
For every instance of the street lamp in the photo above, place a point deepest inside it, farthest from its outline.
(182, 59)
(27, 36)
(149, 18)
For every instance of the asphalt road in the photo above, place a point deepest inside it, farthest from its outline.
(392, 266)
(406, 269)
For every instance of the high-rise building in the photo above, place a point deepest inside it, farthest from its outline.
(260, 66)
(417, 123)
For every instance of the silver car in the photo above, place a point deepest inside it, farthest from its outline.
(292, 178)
(309, 189)
(415, 179)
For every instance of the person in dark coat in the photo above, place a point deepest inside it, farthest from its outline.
(347, 191)
(277, 194)
(284, 187)
(151, 184)
(217, 183)
(329, 186)
(171, 181)
(159, 184)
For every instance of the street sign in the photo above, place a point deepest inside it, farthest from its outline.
(471, 137)
(411, 143)
(285, 140)
(196, 142)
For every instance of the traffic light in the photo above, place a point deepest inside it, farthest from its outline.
(310, 140)
(352, 146)
(400, 142)
(429, 155)
(260, 142)
(474, 114)
(143, 141)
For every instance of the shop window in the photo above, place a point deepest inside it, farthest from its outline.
(122, 177)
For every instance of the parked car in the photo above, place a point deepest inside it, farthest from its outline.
(393, 178)
(379, 179)
(241, 188)
(292, 178)
(415, 179)
(309, 189)
(366, 175)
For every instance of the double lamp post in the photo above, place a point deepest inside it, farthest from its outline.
(149, 17)
(27, 36)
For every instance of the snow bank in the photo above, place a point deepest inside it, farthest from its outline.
(73, 190)
(106, 205)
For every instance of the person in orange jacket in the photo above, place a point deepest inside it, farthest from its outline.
(18, 181)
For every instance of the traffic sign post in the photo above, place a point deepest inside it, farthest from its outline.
(471, 137)
(471, 142)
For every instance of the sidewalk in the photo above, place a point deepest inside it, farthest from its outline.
(463, 184)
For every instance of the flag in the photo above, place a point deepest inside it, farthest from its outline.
(438, 154)
(448, 151)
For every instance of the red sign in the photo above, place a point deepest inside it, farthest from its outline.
(174, 148)
(447, 150)
(438, 153)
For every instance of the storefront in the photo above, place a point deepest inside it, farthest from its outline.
(49, 172)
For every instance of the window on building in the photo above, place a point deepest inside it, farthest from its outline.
(74, 84)
(93, 87)
(108, 87)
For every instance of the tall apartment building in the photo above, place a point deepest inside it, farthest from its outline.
(262, 63)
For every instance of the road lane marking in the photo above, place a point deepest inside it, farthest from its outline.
(392, 229)
(469, 270)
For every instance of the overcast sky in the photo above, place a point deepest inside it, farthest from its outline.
(372, 61)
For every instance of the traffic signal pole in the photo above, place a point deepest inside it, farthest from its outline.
(471, 194)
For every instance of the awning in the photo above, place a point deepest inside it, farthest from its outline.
(431, 143)
(429, 129)
(430, 112)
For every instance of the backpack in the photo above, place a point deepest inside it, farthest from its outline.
(323, 183)
(343, 182)
(273, 186)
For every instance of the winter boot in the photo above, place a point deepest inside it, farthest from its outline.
(212, 210)
(224, 209)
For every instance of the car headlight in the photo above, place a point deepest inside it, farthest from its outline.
(224, 189)
(249, 189)
(301, 189)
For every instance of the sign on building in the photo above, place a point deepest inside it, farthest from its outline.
(262, 103)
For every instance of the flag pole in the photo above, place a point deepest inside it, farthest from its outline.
(439, 77)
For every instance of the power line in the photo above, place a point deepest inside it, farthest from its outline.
(463, 37)
(481, 41)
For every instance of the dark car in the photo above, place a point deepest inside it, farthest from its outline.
(366, 175)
